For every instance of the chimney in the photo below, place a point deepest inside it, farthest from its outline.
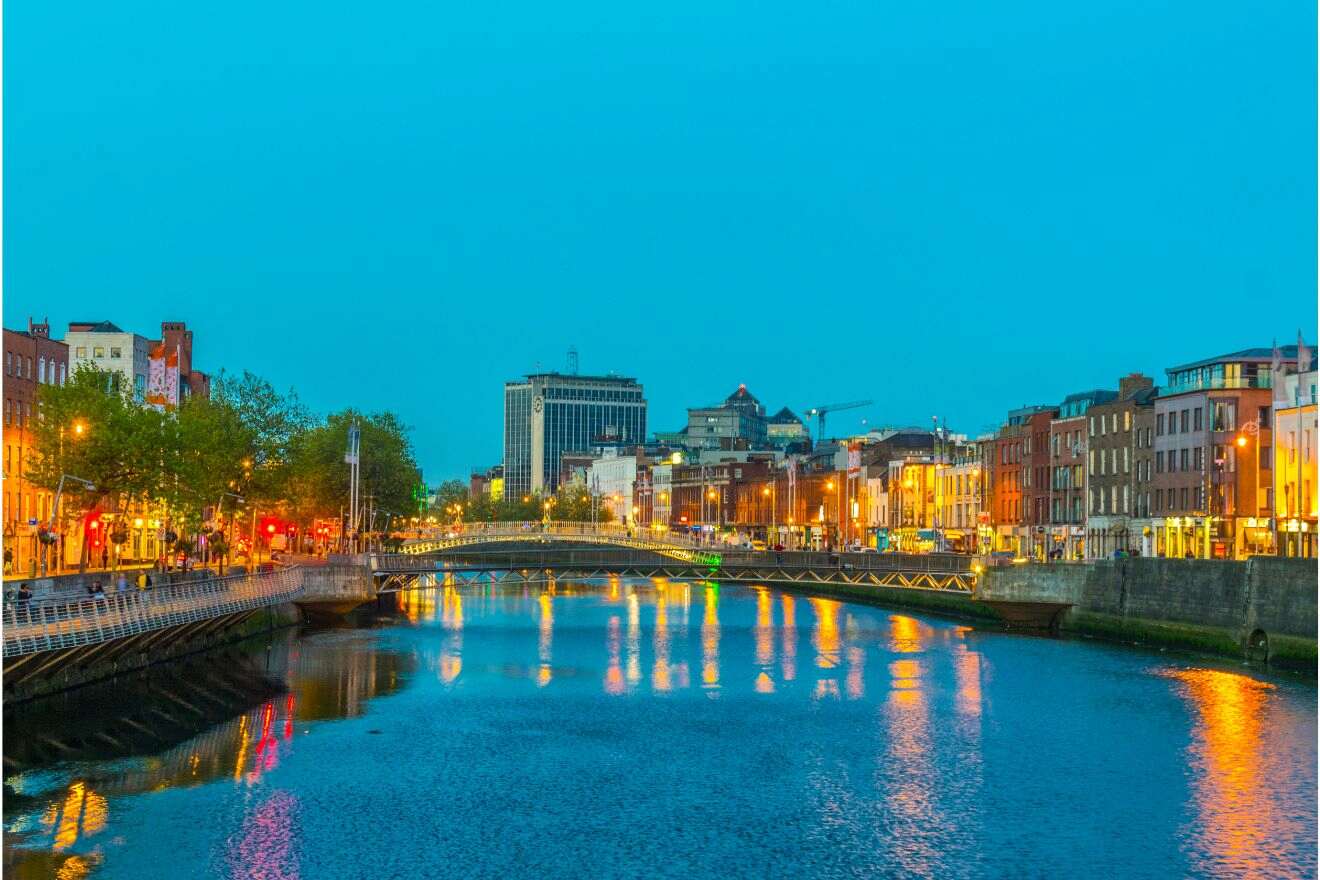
(1132, 383)
(42, 330)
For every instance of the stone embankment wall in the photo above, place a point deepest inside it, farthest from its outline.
(1264, 607)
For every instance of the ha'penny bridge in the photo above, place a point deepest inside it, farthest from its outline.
(57, 641)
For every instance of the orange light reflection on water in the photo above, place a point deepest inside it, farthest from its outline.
(1238, 823)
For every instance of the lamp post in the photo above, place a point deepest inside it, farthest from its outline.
(769, 490)
(54, 512)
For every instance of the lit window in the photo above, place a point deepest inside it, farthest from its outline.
(98, 351)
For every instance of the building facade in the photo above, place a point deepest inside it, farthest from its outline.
(738, 423)
(32, 359)
(1296, 436)
(1120, 471)
(102, 345)
(546, 414)
(1212, 465)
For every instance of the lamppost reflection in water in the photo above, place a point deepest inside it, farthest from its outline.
(788, 639)
(765, 641)
(825, 639)
(451, 649)
(545, 641)
(1241, 829)
(661, 674)
(908, 761)
(613, 670)
(710, 640)
(634, 667)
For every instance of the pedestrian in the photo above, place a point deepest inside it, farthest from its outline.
(105, 557)
(98, 591)
(122, 585)
(21, 609)
(93, 587)
(142, 579)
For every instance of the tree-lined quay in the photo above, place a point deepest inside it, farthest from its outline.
(229, 476)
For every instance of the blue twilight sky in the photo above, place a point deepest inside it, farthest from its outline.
(952, 208)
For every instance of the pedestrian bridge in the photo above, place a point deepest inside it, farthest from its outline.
(610, 535)
(492, 559)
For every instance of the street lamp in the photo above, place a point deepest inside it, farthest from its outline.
(54, 511)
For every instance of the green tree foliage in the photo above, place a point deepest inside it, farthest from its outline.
(272, 424)
(247, 439)
(319, 476)
(91, 429)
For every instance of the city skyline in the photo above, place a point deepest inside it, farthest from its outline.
(698, 200)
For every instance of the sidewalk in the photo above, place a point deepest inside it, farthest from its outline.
(135, 566)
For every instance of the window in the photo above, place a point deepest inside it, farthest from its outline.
(1265, 458)
(1102, 426)
(1196, 419)
(8, 411)
(1159, 462)
(98, 351)
(80, 351)
(1225, 415)
(116, 351)
(1197, 463)
(1182, 422)
(1159, 499)
(9, 364)
(63, 372)
(1127, 464)
(1113, 418)
(1127, 420)
(1182, 498)
(29, 368)
(1182, 459)
(1263, 416)
(1159, 424)
(41, 370)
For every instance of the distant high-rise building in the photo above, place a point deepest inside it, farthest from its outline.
(546, 414)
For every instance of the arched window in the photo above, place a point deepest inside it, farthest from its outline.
(41, 370)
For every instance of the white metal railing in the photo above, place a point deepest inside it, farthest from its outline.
(37, 626)
(604, 533)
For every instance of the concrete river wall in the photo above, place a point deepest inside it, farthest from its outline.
(1264, 608)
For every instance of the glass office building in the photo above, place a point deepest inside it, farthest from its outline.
(546, 414)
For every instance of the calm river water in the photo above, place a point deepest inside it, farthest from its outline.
(648, 729)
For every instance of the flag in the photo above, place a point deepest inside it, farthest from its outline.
(156, 377)
(172, 379)
(1276, 367)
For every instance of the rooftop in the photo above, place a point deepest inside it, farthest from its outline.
(1246, 355)
(93, 327)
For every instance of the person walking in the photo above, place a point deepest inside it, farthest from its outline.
(122, 585)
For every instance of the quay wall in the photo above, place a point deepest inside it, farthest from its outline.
(1263, 608)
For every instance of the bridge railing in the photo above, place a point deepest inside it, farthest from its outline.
(567, 558)
(37, 626)
(559, 529)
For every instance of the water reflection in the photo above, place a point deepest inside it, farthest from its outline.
(710, 639)
(910, 796)
(875, 750)
(1240, 829)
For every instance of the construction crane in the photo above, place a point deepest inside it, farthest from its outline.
(820, 411)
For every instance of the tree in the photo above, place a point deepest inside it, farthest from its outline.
(318, 475)
(273, 424)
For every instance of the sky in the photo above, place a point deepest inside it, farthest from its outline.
(950, 208)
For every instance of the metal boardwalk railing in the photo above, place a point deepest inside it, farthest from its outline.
(36, 627)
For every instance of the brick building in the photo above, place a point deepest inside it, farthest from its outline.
(32, 359)
(1120, 464)
(1212, 494)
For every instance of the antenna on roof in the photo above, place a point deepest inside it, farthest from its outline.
(572, 360)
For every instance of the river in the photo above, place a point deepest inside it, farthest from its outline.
(666, 729)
